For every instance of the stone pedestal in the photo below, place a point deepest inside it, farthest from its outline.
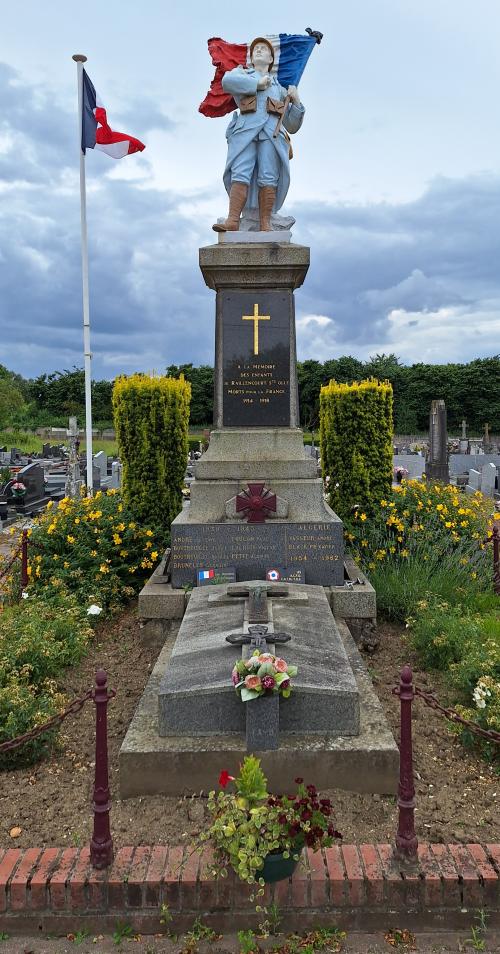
(256, 439)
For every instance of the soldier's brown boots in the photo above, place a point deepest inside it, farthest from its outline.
(237, 199)
(267, 195)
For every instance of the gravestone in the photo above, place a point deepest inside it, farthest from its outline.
(101, 462)
(35, 498)
(474, 481)
(256, 441)
(115, 480)
(488, 480)
(74, 481)
(436, 466)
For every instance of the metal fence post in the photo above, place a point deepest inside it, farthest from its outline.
(24, 559)
(101, 845)
(406, 839)
(496, 559)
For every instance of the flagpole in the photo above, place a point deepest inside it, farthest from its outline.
(80, 59)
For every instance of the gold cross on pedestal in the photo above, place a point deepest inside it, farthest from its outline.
(256, 318)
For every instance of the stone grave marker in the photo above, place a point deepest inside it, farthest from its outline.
(474, 481)
(101, 462)
(436, 466)
(488, 479)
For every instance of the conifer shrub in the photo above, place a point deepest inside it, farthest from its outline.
(151, 421)
(356, 444)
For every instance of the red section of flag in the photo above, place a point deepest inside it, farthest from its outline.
(105, 135)
(225, 56)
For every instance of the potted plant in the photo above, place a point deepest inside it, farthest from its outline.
(261, 835)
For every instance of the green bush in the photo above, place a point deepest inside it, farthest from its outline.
(24, 707)
(356, 444)
(39, 638)
(424, 538)
(151, 422)
(91, 546)
(465, 645)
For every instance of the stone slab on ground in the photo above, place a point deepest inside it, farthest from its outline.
(358, 601)
(196, 696)
(161, 601)
(368, 762)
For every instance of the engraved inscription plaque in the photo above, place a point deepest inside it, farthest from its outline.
(256, 358)
(318, 548)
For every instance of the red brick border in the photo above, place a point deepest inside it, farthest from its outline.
(354, 884)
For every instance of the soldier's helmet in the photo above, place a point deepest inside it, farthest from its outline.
(262, 39)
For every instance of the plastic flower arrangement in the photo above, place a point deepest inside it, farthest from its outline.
(248, 825)
(261, 674)
(18, 488)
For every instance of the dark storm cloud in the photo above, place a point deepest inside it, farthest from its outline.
(149, 305)
(439, 251)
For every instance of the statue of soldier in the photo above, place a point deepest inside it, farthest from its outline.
(257, 168)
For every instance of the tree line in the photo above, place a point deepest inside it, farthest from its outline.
(471, 391)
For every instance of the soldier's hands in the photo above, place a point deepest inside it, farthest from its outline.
(293, 93)
(264, 82)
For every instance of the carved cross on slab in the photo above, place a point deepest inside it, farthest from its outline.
(262, 715)
(257, 637)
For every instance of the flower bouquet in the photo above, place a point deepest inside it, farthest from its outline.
(18, 489)
(261, 674)
(261, 835)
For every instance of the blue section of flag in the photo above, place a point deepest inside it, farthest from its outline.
(89, 122)
(295, 50)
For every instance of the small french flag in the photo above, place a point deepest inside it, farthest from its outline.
(206, 574)
(96, 133)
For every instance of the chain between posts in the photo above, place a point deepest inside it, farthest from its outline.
(5, 570)
(430, 700)
(52, 723)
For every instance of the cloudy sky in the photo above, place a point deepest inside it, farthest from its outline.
(395, 180)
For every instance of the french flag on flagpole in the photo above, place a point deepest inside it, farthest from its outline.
(291, 53)
(96, 133)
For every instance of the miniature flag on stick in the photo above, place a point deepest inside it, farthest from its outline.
(291, 53)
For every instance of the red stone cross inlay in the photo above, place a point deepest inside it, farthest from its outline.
(256, 503)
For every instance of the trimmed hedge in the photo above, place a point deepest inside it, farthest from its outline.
(356, 444)
(151, 420)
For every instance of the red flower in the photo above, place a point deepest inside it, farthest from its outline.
(225, 777)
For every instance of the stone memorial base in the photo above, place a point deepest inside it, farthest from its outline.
(368, 762)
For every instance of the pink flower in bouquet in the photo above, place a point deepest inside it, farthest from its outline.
(268, 682)
(280, 665)
(265, 657)
(252, 662)
(252, 682)
(235, 676)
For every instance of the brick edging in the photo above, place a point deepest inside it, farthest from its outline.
(355, 884)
